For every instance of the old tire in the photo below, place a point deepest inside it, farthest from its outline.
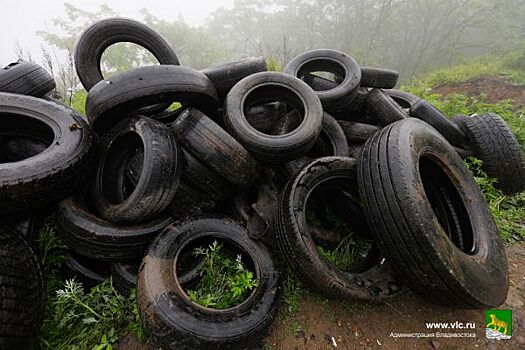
(215, 148)
(169, 315)
(378, 78)
(26, 78)
(95, 39)
(493, 142)
(158, 180)
(298, 247)
(404, 99)
(270, 86)
(446, 127)
(92, 236)
(224, 76)
(114, 98)
(338, 63)
(384, 110)
(52, 174)
(22, 292)
(430, 219)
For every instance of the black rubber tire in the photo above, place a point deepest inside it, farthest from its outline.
(493, 142)
(224, 76)
(91, 236)
(407, 174)
(19, 148)
(89, 272)
(215, 148)
(300, 251)
(52, 174)
(114, 98)
(158, 180)
(263, 117)
(446, 127)
(28, 224)
(22, 292)
(201, 177)
(384, 110)
(404, 99)
(174, 321)
(99, 36)
(338, 63)
(331, 141)
(379, 78)
(189, 201)
(270, 86)
(124, 277)
(358, 132)
(26, 78)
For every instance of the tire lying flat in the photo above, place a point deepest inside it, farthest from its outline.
(26, 78)
(443, 243)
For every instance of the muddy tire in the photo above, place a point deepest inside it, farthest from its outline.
(212, 145)
(201, 177)
(446, 127)
(124, 277)
(358, 132)
(91, 236)
(55, 172)
(379, 78)
(99, 36)
(493, 142)
(338, 63)
(404, 99)
(158, 180)
(298, 247)
(226, 75)
(89, 272)
(384, 110)
(26, 78)
(276, 87)
(114, 98)
(430, 219)
(174, 321)
(22, 292)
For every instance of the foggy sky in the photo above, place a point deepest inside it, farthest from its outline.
(20, 19)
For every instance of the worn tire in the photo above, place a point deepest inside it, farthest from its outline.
(383, 108)
(95, 39)
(189, 201)
(358, 132)
(224, 76)
(22, 292)
(91, 236)
(338, 63)
(114, 98)
(264, 117)
(26, 78)
(300, 251)
(276, 87)
(52, 174)
(493, 142)
(158, 180)
(215, 148)
(430, 219)
(174, 321)
(124, 277)
(379, 78)
(404, 99)
(446, 127)
(89, 272)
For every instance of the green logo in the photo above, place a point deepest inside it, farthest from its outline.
(498, 324)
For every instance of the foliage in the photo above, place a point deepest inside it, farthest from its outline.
(225, 282)
(78, 320)
(78, 101)
(343, 256)
(291, 293)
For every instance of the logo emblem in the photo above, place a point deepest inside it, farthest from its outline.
(498, 324)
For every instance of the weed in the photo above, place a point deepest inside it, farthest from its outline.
(225, 282)
(292, 291)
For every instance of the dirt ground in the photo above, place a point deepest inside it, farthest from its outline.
(330, 324)
(493, 87)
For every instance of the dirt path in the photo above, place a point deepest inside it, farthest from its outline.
(493, 87)
(330, 324)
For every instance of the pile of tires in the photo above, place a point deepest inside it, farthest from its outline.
(243, 162)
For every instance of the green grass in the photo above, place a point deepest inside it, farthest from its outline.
(75, 320)
(225, 282)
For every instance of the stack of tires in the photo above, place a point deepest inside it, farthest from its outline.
(243, 162)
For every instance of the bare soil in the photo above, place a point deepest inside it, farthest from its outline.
(495, 89)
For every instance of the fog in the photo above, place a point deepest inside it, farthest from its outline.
(411, 36)
(20, 20)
